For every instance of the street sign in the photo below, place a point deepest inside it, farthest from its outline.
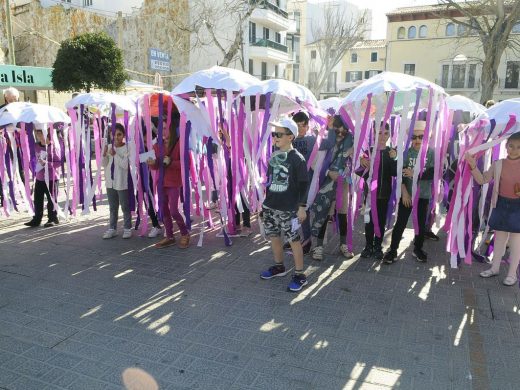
(159, 60)
(25, 77)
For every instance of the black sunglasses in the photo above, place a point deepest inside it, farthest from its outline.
(279, 135)
(414, 137)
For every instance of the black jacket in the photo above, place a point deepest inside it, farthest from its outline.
(387, 170)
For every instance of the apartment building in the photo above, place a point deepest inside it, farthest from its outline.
(425, 42)
(366, 59)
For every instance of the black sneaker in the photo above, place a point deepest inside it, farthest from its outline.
(287, 245)
(377, 253)
(390, 256)
(420, 255)
(51, 222)
(275, 271)
(431, 236)
(32, 223)
(297, 282)
(367, 252)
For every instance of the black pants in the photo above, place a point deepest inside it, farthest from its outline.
(151, 212)
(342, 223)
(41, 190)
(370, 238)
(403, 214)
(246, 215)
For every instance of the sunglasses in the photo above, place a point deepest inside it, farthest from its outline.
(419, 137)
(279, 135)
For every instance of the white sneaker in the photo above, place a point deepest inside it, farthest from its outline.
(127, 233)
(110, 233)
(154, 232)
(345, 252)
(317, 253)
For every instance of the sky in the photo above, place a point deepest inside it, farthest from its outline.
(381, 7)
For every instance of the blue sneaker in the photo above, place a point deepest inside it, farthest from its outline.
(297, 282)
(275, 271)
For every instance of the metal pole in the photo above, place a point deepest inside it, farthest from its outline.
(10, 41)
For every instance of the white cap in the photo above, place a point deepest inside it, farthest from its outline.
(288, 124)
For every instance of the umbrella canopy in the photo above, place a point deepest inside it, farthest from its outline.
(103, 100)
(500, 112)
(330, 103)
(31, 112)
(387, 82)
(288, 89)
(217, 77)
(462, 103)
(140, 86)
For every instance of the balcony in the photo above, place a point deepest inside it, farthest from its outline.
(269, 15)
(269, 50)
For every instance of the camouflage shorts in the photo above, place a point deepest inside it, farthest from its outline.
(277, 222)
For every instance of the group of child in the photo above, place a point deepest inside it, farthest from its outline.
(285, 209)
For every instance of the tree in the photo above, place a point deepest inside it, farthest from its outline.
(492, 22)
(87, 61)
(220, 24)
(334, 35)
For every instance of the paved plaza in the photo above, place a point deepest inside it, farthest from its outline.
(79, 312)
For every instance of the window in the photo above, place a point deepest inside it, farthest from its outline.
(372, 73)
(367, 74)
(458, 76)
(297, 18)
(516, 28)
(263, 76)
(331, 82)
(266, 33)
(296, 73)
(373, 56)
(353, 58)
(409, 69)
(252, 32)
(445, 76)
(412, 32)
(450, 30)
(353, 76)
(276, 71)
(512, 71)
(423, 31)
(313, 54)
(471, 75)
(86, 3)
(461, 30)
(251, 68)
(278, 37)
(290, 43)
(400, 33)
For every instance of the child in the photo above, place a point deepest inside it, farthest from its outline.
(284, 205)
(505, 204)
(46, 156)
(172, 183)
(304, 143)
(339, 143)
(405, 205)
(387, 170)
(115, 161)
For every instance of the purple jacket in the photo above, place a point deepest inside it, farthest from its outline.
(50, 158)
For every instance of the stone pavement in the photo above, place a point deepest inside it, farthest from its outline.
(79, 312)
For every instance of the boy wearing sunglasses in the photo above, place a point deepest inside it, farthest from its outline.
(424, 186)
(284, 207)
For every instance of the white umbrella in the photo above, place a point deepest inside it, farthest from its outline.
(217, 77)
(387, 82)
(290, 92)
(500, 112)
(31, 112)
(103, 100)
(333, 102)
(462, 103)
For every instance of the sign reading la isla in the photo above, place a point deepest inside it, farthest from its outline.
(25, 76)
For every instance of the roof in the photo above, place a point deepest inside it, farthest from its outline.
(370, 44)
(417, 9)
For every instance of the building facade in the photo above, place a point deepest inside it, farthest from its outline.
(425, 42)
(366, 59)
